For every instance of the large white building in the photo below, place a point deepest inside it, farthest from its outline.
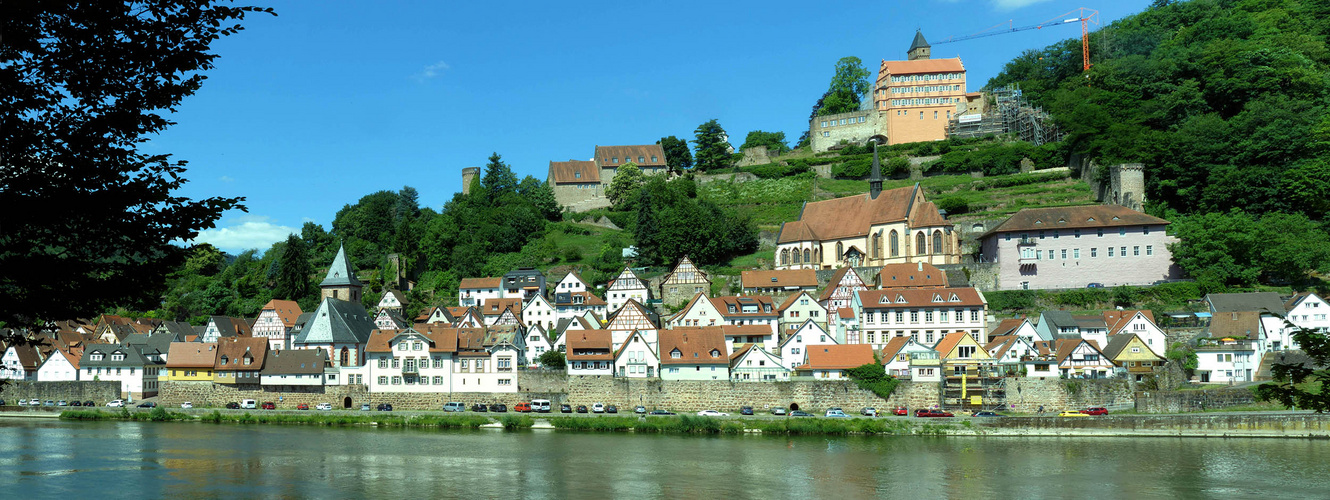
(926, 314)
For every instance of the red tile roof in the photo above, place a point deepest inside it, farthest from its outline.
(590, 345)
(802, 278)
(838, 357)
(848, 217)
(1081, 217)
(574, 172)
(287, 310)
(474, 283)
(625, 154)
(696, 345)
(912, 275)
(952, 65)
(192, 355)
(873, 299)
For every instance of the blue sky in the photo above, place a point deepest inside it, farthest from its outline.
(330, 101)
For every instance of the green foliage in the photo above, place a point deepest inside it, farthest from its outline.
(1184, 355)
(1299, 385)
(998, 158)
(1018, 180)
(773, 141)
(294, 271)
(848, 85)
(712, 152)
(627, 179)
(677, 157)
(553, 360)
(672, 221)
(1237, 248)
(1084, 298)
(954, 205)
(516, 422)
(1223, 101)
(873, 377)
(1012, 300)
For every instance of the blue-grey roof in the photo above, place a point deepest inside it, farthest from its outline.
(918, 41)
(340, 273)
(337, 321)
(1058, 319)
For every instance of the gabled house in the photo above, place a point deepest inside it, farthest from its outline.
(700, 311)
(411, 360)
(292, 370)
(187, 361)
(830, 362)
(240, 360)
(961, 354)
(840, 290)
(632, 317)
(341, 329)
(475, 291)
(1073, 358)
(636, 357)
(1267, 304)
(1055, 325)
(624, 287)
(436, 314)
(749, 310)
(1305, 310)
(571, 283)
(224, 326)
(795, 345)
(779, 284)
(1234, 347)
(590, 352)
(846, 326)
(20, 362)
(923, 313)
(179, 331)
(737, 335)
(467, 317)
(390, 319)
(693, 353)
(61, 366)
(571, 304)
(1007, 352)
(1093, 328)
(523, 283)
(798, 308)
(138, 377)
(275, 322)
(1140, 323)
(539, 311)
(1017, 327)
(392, 299)
(538, 342)
(487, 359)
(1131, 354)
(506, 311)
(900, 357)
(752, 363)
(683, 282)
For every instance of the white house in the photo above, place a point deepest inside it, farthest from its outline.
(1227, 360)
(688, 353)
(295, 369)
(390, 319)
(224, 326)
(537, 343)
(1072, 358)
(800, 307)
(840, 290)
(1305, 310)
(830, 362)
(20, 362)
(1017, 327)
(60, 366)
(752, 363)
(698, 312)
(590, 352)
(392, 299)
(275, 322)
(539, 311)
(1008, 351)
(636, 358)
(897, 354)
(571, 283)
(632, 317)
(487, 360)
(138, 376)
(794, 348)
(475, 291)
(927, 314)
(409, 360)
(748, 310)
(624, 287)
(1140, 323)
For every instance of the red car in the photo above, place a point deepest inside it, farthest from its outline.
(302, 406)
(901, 411)
(925, 412)
(522, 407)
(269, 406)
(1095, 411)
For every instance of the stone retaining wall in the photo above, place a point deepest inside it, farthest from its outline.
(1193, 401)
(99, 392)
(1299, 425)
(1026, 395)
(729, 396)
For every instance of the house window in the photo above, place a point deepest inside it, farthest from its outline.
(383, 380)
(415, 346)
(397, 380)
(397, 363)
(1123, 253)
(965, 351)
(1064, 254)
(1110, 252)
(1122, 231)
(1136, 251)
(1149, 250)
(401, 346)
(1094, 252)
(1100, 232)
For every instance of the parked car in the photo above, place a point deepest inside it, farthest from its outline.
(147, 404)
(662, 412)
(23, 402)
(1095, 285)
(117, 403)
(269, 405)
(48, 403)
(598, 408)
(640, 410)
(1097, 410)
(385, 407)
(453, 406)
(800, 413)
(71, 403)
(540, 405)
(568, 409)
(711, 413)
(1072, 413)
(323, 406)
(498, 408)
(836, 414)
(248, 404)
(233, 406)
(611, 409)
(522, 407)
(745, 410)
(364, 407)
(776, 410)
(89, 403)
(901, 411)
(302, 406)
(186, 405)
(480, 408)
(985, 414)
(35, 402)
(868, 412)
(62, 403)
(581, 408)
(925, 412)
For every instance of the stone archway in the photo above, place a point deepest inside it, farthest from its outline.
(794, 406)
(346, 402)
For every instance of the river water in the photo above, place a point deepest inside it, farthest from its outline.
(189, 460)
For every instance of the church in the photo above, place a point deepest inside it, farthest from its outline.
(873, 229)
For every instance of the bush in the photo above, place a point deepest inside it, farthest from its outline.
(1011, 300)
(515, 422)
(954, 205)
(873, 377)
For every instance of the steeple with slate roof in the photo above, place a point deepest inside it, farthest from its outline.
(875, 179)
(341, 282)
(919, 48)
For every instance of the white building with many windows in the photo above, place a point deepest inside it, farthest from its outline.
(925, 314)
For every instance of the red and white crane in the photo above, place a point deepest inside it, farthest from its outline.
(1083, 15)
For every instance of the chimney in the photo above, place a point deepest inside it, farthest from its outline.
(921, 266)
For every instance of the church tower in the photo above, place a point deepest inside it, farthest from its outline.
(920, 48)
(341, 282)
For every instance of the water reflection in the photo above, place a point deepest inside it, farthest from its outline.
(130, 459)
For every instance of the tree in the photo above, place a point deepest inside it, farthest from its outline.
(677, 157)
(627, 179)
(713, 152)
(90, 221)
(541, 194)
(499, 178)
(773, 141)
(1301, 385)
(849, 84)
(553, 360)
(294, 271)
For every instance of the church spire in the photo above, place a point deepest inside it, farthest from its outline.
(875, 179)
(341, 282)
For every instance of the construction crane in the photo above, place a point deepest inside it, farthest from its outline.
(1083, 15)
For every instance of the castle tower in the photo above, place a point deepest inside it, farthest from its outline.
(469, 175)
(341, 282)
(920, 48)
(875, 179)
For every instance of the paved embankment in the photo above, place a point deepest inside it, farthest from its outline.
(1253, 424)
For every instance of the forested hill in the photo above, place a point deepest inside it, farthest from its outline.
(1224, 101)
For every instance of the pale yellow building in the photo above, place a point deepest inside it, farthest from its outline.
(918, 97)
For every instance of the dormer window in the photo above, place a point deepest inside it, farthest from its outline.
(248, 360)
(954, 298)
(676, 354)
(900, 299)
(937, 297)
(97, 356)
(119, 356)
(883, 300)
(715, 353)
(225, 360)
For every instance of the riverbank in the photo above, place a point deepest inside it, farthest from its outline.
(1270, 425)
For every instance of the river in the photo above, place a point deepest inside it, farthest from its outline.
(47, 459)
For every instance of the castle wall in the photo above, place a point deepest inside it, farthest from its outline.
(854, 127)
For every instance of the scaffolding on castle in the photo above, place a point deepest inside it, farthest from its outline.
(1010, 114)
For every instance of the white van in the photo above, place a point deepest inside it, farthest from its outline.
(248, 404)
(540, 405)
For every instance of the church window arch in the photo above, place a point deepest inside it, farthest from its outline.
(894, 241)
(937, 241)
(808, 253)
(785, 256)
(840, 250)
(920, 244)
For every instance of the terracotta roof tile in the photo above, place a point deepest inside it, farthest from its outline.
(234, 350)
(912, 275)
(574, 172)
(696, 345)
(779, 279)
(1081, 217)
(838, 357)
(590, 345)
(192, 355)
(872, 299)
(951, 65)
(626, 154)
(287, 310)
(848, 217)
(474, 283)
